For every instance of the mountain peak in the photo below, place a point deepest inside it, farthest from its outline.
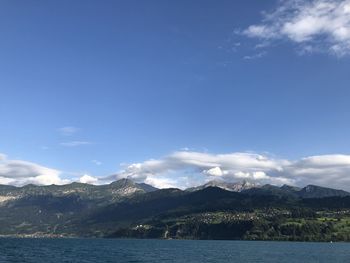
(127, 187)
(233, 187)
(123, 182)
(314, 191)
(290, 188)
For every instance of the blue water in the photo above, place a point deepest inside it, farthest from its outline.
(117, 250)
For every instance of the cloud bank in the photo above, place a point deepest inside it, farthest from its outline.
(185, 169)
(314, 25)
(18, 172)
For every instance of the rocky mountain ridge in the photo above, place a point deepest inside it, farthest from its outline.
(233, 187)
(247, 187)
(109, 192)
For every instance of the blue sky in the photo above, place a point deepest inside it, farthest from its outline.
(92, 88)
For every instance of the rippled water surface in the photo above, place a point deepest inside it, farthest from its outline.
(117, 250)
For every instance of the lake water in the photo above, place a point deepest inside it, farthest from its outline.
(127, 250)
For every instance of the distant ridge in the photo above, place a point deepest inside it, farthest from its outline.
(233, 187)
(309, 191)
(314, 191)
(109, 192)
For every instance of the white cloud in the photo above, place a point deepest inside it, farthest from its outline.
(216, 171)
(259, 31)
(326, 170)
(195, 168)
(75, 143)
(6, 181)
(18, 172)
(161, 182)
(87, 179)
(68, 130)
(335, 160)
(318, 25)
(183, 169)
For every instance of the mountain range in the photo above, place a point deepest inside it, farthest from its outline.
(101, 193)
(309, 191)
(128, 209)
(123, 188)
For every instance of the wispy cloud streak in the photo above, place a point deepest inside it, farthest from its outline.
(313, 25)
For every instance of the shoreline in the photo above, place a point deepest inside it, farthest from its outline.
(30, 236)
